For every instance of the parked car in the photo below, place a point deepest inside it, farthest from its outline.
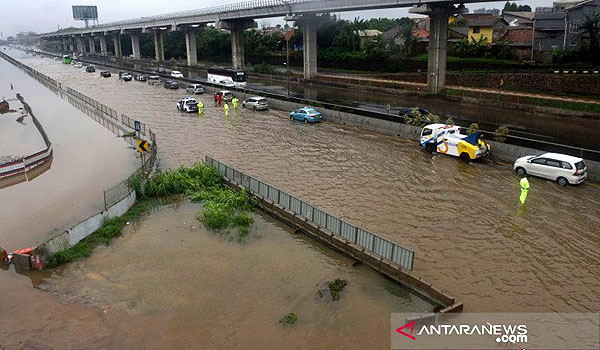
(154, 80)
(105, 74)
(176, 74)
(78, 65)
(557, 167)
(195, 89)
(306, 114)
(160, 70)
(188, 104)
(125, 76)
(256, 103)
(227, 95)
(90, 68)
(139, 77)
(171, 84)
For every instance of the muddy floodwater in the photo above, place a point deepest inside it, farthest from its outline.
(71, 190)
(195, 289)
(463, 220)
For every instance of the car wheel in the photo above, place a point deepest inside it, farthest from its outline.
(522, 172)
(465, 157)
(254, 108)
(562, 181)
(291, 117)
(305, 121)
(430, 148)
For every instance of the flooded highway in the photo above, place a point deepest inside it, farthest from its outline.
(71, 190)
(463, 220)
(541, 126)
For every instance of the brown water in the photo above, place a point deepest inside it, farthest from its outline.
(195, 289)
(71, 190)
(463, 220)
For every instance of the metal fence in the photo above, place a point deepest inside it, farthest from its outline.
(109, 118)
(367, 240)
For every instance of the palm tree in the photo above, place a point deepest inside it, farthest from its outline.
(591, 27)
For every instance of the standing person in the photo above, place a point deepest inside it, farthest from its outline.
(200, 107)
(215, 98)
(226, 107)
(524, 189)
(234, 102)
(220, 99)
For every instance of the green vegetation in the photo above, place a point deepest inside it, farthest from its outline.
(289, 319)
(500, 133)
(417, 119)
(449, 121)
(264, 69)
(109, 229)
(514, 7)
(589, 36)
(336, 287)
(481, 48)
(222, 208)
(473, 128)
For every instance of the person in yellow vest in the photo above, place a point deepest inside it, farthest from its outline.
(200, 107)
(234, 102)
(524, 189)
(226, 107)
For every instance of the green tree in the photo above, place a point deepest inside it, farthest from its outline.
(591, 27)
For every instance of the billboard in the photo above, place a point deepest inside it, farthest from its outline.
(85, 12)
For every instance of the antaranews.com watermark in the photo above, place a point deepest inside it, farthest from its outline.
(543, 331)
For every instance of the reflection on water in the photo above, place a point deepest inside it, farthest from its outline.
(459, 218)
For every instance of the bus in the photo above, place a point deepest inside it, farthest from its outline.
(226, 76)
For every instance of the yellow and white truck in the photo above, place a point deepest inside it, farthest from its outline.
(447, 139)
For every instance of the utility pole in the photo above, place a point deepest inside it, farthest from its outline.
(287, 59)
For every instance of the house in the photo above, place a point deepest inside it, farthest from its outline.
(519, 18)
(368, 36)
(489, 27)
(559, 27)
(519, 40)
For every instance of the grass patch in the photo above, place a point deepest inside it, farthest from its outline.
(223, 208)
(129, 134)
(289, 319)
(109, 229)
(336, 287)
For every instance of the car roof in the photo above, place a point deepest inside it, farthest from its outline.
(154, 77)
(257, 97)
(434, 126)
(564, 157)
(225, 91)
(189, 98)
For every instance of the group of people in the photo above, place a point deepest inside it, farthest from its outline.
(218, 98)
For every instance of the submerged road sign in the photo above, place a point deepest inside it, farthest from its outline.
(143, 146)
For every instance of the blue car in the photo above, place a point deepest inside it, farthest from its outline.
(306, 114)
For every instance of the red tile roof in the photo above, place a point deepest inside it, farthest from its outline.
(518, 35)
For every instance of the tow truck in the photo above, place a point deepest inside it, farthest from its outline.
(448, 139)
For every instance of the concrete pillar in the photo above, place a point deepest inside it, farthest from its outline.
(103, 49)
(237, 48)
(117, 45)
(438, 41)
(309, 41)
(92, 43)
(79, 44)
(190, 48)
(135, 46)
(438, 49)
(63, 45)
(159, 48)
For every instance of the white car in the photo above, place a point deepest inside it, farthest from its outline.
(188, 104)
(78, 65)
(557, 167)
(176, 74)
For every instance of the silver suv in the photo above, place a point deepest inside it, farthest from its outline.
(195, 89)
(154, 80)
(256, 103)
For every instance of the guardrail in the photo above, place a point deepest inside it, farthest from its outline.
(123, 192)
(367, 240)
